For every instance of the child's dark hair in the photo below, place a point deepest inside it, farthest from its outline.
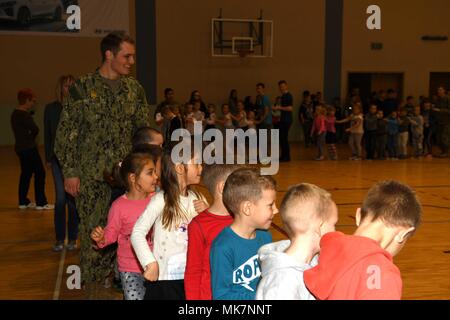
(145, 135)
(246, 184)
(155, 152)
(396, 204)
(173, 212)
(133, 163)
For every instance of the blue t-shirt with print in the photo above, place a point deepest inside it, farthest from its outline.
(235, 269)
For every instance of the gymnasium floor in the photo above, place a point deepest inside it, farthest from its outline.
(30, 270)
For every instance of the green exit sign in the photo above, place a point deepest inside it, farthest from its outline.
(376, 46)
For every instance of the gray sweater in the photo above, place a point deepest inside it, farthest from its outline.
(282, 275)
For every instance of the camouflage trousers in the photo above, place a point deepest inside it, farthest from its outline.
(93, 205)
(443, 137)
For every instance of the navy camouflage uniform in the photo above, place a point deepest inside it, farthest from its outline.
(95, 131)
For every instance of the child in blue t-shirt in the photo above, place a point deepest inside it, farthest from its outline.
(235, 269)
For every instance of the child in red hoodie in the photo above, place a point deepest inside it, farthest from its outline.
(202, 230)
(360, 266)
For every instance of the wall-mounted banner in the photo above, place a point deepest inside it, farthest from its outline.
(82, 18)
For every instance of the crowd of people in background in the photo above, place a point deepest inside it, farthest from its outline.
(379, 127)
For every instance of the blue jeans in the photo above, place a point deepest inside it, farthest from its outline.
(63, 198)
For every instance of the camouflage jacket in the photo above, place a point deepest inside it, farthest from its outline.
(97, 125)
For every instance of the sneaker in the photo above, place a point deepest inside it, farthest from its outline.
(72, 245)
(58, 246)
(46, 207)
(319, 158)
(31, 205)
(443, 155)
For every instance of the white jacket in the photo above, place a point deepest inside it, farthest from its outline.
(281, 274)
(169, 246)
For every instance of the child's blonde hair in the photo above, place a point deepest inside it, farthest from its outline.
(302, 205)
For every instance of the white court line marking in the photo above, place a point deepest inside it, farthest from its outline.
(60, 275)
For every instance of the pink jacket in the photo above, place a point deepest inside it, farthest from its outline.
(319, 125)
(121, 219)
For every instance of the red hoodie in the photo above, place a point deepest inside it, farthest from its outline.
(353, 268)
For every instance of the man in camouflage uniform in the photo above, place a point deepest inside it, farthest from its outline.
(98, 120)
(443, 121)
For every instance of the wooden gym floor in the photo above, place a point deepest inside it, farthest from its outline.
(30, 270)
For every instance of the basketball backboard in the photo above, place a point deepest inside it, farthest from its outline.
(231, 37)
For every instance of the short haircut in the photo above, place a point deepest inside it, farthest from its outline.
(409, 98)
(396, 204)
(260, 85)
(282, 82)
(301, 204)
(24, 95)
(391, 91)
(245, 184)
(145, 135)
(112, 42)
(215, 173)
(167, 91)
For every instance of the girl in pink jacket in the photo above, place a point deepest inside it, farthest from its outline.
(319, 131)
(137, 173)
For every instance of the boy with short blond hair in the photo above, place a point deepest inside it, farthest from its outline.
(360, 266)
(202, 230)
(235, 271)
(307, 212)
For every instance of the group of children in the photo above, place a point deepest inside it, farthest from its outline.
(175, 118)
(381, 134)
(172, 244)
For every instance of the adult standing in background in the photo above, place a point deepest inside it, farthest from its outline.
(286, 108)
(442, 105)
(196, 97)
(100, 115)
(169, 100)
(391, 104)
(25, 133)
(233, 101)
(263, 107)
(51, 120)
(232, 104)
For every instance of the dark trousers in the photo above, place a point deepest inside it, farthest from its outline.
(428, 140)
(381, 145)
(164, 290)
(307, 133)
(392, 145)
(284, 141)
(31, 163)
(371, 140)
(63, 198)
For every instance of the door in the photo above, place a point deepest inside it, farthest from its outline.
(438, 79)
